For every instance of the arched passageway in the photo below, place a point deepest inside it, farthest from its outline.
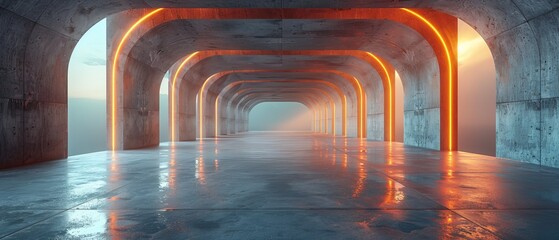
(370, 73)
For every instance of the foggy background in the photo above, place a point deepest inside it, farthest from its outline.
(280, 116)
(87, 125)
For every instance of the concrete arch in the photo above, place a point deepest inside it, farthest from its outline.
(344, 93)
(221, 64)
(335, 97)
(60, 23)
(231, 123)
(283, 99)
(297, 98)
(240, 106)
(375, 107)
(362, 12)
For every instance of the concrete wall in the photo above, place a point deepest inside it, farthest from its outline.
(38, 37)
(526, 59)
(422, 104)
(33, 96)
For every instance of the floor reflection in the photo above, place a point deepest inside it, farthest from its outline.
(112, 221)
(280, 185)
(200, 171)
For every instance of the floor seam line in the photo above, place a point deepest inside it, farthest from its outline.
(61, 211)
(430, 199)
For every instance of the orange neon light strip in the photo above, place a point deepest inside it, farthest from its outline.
(362, 109)
(390, 97)
(325, 118)
(314, 121)
(320, 120)
(450, 76)
(216, 116)
(173, 100)
(259, 81)
(361, 96)
(201, 105)
(344, 116)
(200, 116)
(113, 75)
(333, 106)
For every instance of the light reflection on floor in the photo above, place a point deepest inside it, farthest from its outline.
(280, 186)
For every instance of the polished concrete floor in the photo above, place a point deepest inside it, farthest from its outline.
(280, 186)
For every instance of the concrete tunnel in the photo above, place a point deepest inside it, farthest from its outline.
(337, 58)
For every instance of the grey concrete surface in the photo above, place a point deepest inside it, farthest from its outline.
(39, 35)
(280, 186)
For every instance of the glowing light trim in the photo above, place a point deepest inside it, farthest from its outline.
(113, 74)
(333, 106)
(362, 109)
(323, 124)
(344, 116)
(361, 98)
(201, 105)
(173, 100)
(390, 97)
(325, 118)
(216, 116)
(335, 87)
(450, 75)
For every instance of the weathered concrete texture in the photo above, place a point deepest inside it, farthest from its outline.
(33, 97)
(47, 82)
(518, 131)
(432, 117)
(532, 9)
(422, 128)
(187, 132)
(46, 134)
(12, 52)
(517, 61)
(526, 61)
(140, 109)
(420, 79)
(550, 132)
(375, 127)
(142, 128)
(546, 29)
(46, 114)
(11, 132)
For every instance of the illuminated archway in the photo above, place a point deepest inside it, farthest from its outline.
(438, 41)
